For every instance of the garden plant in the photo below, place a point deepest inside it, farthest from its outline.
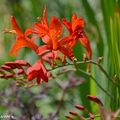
(59, 60)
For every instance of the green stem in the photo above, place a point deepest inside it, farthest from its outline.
(101, 68)
(88, 74)
(85, 62)
(95, 117)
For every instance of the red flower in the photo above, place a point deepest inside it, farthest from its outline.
(75, 29)
(22, 39)
(37, 70)
(51, 35)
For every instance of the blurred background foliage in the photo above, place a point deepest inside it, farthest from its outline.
(102, 26)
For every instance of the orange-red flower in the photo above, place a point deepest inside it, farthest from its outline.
(51, 35)
(75, 29)
(37, 71)
(22, 39)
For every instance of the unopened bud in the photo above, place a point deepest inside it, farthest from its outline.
(20, 71)
(95, 99)
(5, 67)
(69, 117)
(80, 107)
(10, 75)
(73, 113)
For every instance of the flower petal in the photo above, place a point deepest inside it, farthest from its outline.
(43, 49)
(43, 76)
(39, 78)
(51, 55)
(85, 42)
(44, 17)
(77, 23)
(15, 26)
(22, 42)
(67, 51)
(46, 39)
(65, 40)
(32, 75)
(55, 31)
(55, 27)
(28, 32)
(16, 47)
(67, 25)
(37, 70)
(40, 29)
(74, 17)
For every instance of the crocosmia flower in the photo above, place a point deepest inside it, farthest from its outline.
(50, 33)
(37, 71)
(51, 36)
(75, 29)
(54, 42)
(22, 39)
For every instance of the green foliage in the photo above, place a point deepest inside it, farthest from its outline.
(103, 29)
(115, 54)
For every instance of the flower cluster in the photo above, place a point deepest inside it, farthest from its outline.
(55, 43)
(15, 70)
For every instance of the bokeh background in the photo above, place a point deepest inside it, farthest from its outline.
(102, 26)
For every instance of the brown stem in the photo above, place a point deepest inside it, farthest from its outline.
(60, 104)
